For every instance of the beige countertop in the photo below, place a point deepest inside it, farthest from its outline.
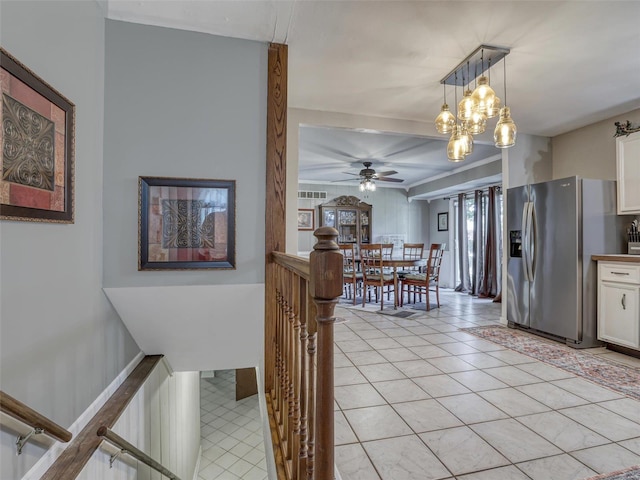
(616, 258)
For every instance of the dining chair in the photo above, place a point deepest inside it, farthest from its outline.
(373, 274)
(421, 282)
(411, 251)
(351, 277)
(387, 254)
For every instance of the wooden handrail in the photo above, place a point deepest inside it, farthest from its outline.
(29, 416)
(74, 458)
(119, 442)
(298, 265)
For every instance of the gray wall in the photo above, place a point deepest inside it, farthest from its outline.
(61, 342)
(589, 152)
(529, 161)
(182, 104)
(392, 212)
(437, 206)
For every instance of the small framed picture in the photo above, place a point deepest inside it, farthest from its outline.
(443, 222)
(306, 219)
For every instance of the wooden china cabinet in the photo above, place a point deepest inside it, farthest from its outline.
(350, 216)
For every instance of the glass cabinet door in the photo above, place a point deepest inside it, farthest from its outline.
(347, 226)
(365, 232)
(350, 216)
(329, 218)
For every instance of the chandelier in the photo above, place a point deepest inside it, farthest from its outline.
(477, 105)
(367, 185)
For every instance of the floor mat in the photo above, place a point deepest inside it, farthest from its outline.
(632, 473)
(621, 378)
(396, 313)
(423, 306)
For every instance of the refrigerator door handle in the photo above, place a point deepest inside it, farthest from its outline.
(532, 240)
(525, 240)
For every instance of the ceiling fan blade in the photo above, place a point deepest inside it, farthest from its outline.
(345, 180)
(386, 174)
(354, 174)
(387, 179)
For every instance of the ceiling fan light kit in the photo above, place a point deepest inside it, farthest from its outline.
(368, 177)
(367, 185)
(476, 107)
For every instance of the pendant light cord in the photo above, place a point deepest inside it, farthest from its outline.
(455, 92)
(504, 65)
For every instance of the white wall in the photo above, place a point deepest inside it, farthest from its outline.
(196, 327)
(392, 213)
(162, 420)
(61, 341)
(437, 206)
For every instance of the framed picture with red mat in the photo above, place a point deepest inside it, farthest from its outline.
(37, 147)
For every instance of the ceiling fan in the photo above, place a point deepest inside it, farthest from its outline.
(368, 174)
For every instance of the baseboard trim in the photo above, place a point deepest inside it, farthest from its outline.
(42, 465)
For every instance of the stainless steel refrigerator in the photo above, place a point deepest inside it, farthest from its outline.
(554, 227)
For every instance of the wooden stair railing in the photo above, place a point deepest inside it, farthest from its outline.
(74, 458)
(126, 447)
(300, 397)
(39, 423)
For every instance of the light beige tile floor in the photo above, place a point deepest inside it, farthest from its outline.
(231, 432)
(417, 398)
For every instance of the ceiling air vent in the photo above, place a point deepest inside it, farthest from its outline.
(310, 194)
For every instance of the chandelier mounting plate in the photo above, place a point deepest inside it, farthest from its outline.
(479, 61)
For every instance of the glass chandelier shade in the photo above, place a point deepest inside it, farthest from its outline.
(367, 185)
(493, 109)
(504, 135)
(466, 106)
(466, 139)
(477, 123)
(455, 147)
(483, 96)
(445, 121)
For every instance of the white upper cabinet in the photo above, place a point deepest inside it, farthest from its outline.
(628, 166)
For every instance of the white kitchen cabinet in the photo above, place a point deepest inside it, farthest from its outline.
(628, 168)
(619, 303)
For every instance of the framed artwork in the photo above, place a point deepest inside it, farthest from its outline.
(186, 224)
(443, 222)
(306, 219)
(37, 147)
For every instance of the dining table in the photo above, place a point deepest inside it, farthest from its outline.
(396, 263)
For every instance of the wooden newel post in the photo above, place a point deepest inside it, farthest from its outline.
(325, 287)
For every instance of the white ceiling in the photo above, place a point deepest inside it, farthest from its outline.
(571, 64)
